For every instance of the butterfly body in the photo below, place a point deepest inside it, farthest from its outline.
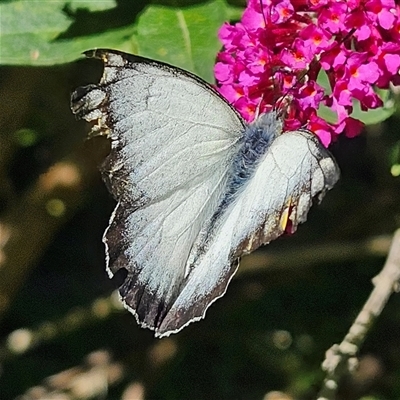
(196, 186)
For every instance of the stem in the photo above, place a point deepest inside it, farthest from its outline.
(341, 359)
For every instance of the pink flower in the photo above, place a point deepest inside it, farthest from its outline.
(280, 47)
(332, 17)
(342, 94)
(321, 128)
(284, 11)
(315, 38)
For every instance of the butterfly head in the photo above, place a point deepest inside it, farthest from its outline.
(282, 108)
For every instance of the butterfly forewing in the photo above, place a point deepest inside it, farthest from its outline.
(172, 143)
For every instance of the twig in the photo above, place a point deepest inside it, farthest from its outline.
(341, 359)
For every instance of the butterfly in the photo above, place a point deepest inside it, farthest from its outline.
(196, 186)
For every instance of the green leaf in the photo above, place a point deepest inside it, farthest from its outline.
(41, 32)
(186, 37)
(32, 31)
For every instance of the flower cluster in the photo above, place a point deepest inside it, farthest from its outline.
(280, 47)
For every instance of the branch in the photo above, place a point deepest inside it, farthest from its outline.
(341, 359)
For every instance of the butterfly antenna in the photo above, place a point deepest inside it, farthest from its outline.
(258, 108)
(262, 12)
(280, 100)
(349, 35)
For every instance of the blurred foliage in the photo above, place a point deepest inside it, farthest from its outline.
(272, 328)
(183, 33)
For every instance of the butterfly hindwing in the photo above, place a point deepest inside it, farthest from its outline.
(295, 169)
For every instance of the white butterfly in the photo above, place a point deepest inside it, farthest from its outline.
(196, 186)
